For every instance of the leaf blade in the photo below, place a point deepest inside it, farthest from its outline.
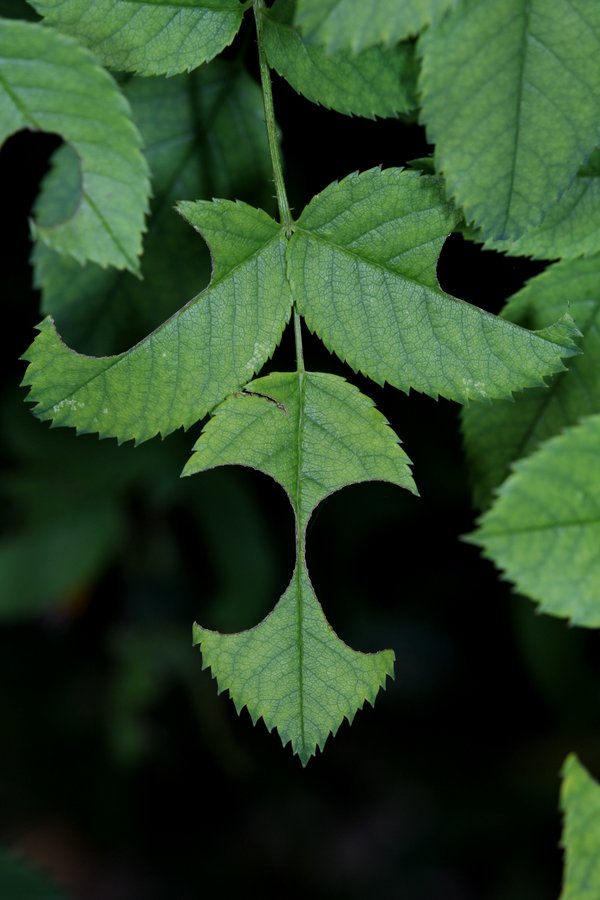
(309, 432)
(376, 82)
(361, 264)
(511, 97)
(286, 686)
(187, 365)
(150, 37)
(51, 84)
(543, 529)
(580, 802)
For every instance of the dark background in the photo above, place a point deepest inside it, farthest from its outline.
(122, 772)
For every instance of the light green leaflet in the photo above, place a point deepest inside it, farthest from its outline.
(498, 433)
(151, 37)
(543, 530)
(511, 98)
(209, 348)
(313, 434)
(361, 264)
(356, 24)
(379, 81)
(580, 801)
(49, 83)
(204, 136)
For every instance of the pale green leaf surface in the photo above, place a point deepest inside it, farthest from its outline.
(496, 434)
(49, 83)
(150, 37)
(580, 802)
(173, 377)
(356, 24)
(313, 433)
(376, 82)
(511, 98)
(362, 266)
(543, 530)
(204, 136)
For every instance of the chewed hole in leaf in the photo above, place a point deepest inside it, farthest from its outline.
(482, 277)
(246, 525)
(352, 555)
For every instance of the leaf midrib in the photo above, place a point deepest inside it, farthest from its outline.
(300, 562)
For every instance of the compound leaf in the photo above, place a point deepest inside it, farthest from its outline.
(543, 529)
(511, 97)
(580, 802)
(313, 433)
(356, 24)
(204, 137)
(378, 81)
(50, 83)
(179, 372)
(151, 37)
(362, 264)
(498, 433)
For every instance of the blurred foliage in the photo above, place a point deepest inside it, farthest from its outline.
(18, 881)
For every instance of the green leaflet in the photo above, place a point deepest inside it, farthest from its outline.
(580, 802)
(151, 37)
(356, 24)
(49, 83)
(377, 82)
(313, 434)
(511, 97)
(179, 372)
(498, 433)
(21, 881)
(543, 530)
(204, 137)
(361, 264)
